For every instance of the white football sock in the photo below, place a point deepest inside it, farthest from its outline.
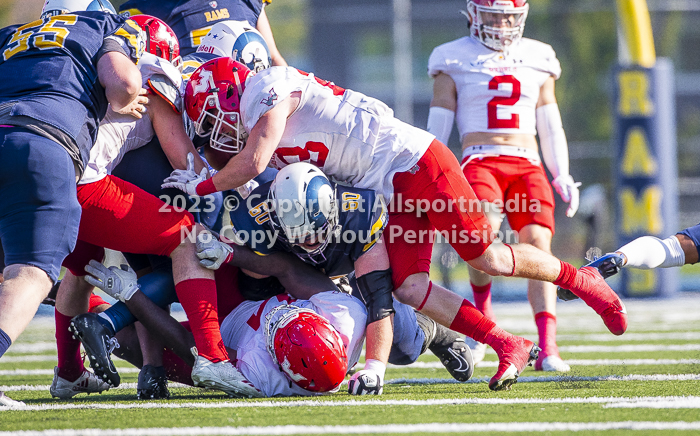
(649, 252)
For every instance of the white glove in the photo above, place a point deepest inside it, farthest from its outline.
(245, 190)
(117, 283)
(211, 252)
(568, 191)
(365, 382)
(369, 381)
(185, 180)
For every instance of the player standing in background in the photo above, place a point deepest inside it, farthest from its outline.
(191, 20)
(500, 88)
(48, 129)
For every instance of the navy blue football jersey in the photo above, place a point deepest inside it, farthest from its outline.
(50, 71)
(192, 19)
(361, 215)
(192, 61)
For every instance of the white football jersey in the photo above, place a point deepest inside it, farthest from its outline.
(118, 134)
(244, 331)
(353, 138)
(497, 92)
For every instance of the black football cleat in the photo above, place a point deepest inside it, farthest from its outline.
(153, 383)
(449, 347)
(99, 342)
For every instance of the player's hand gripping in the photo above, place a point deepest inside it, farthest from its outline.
(185, 180)
(119, 283)
(212, 252)
(568, 191)
(137, 107)
(365, 382)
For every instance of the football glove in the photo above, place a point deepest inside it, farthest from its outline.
(119, 283)
(365, 382)
(211, 252)
(568, 191)
(186, 180)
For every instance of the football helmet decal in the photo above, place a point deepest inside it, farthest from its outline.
(160, 38)
(57, 7)
(304, 209)
(213, 102)
(306, 347)
(239, 41)
(497, 23)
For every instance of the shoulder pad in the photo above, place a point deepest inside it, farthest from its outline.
(163, 79)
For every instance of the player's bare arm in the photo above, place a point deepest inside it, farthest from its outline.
(262, 142)
(263, 27)
(444, 93)
(171, 134)
(122, 82)
(379, 332)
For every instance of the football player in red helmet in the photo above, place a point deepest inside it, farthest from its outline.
(160, 38)
(293, 116)
(218, 112)
(510, 83)
(307, 348)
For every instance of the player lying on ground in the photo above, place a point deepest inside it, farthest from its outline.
(338, 230)
(282, 115)
(500, 88)
(300, 279)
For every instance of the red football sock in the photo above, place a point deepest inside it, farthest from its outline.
(471, 322)
(198, 298)
(482, 300)
(547, 329)
(96, 301)
(176, 368)
(567, 276)
(70, 365)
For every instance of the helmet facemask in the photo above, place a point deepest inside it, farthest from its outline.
(227, 132)
(497, 26)
(296, 223)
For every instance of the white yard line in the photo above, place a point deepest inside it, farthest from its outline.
(511, 427)
(576, 362)
(315, 402)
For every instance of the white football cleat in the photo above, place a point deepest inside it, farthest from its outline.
(87, 383)
(552, 364)
(6, 401)
(222, 376)
(477, 348)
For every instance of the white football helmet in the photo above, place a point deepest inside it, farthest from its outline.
(304, 208)
(239, 41)
(57, 7)
(497, 23)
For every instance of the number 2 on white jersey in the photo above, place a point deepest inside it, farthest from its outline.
(503, 123)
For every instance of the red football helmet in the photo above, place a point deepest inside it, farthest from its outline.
(306, 347)
(213, 102)
(497, 23)
(160, 38)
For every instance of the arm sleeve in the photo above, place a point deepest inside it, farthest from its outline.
(440, 122)
(555, 150)
(112, 43)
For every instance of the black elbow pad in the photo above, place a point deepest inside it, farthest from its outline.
(376, 289)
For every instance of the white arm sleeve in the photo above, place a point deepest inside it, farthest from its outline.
(440, 123)
(555, 150)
